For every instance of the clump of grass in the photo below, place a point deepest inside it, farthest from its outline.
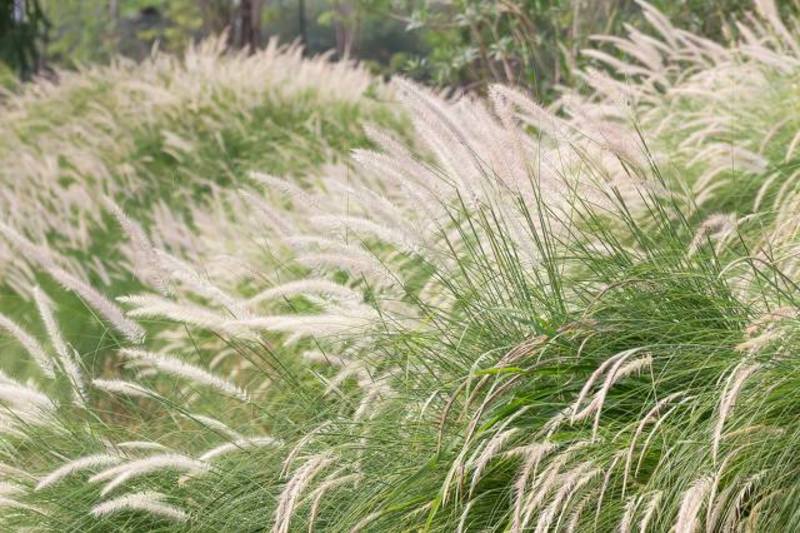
(159, 138)
(524, 322)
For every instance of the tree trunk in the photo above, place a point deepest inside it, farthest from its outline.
(249, 19)
(301, 21)
(345, 30)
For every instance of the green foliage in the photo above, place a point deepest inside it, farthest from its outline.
(583, 318)
(86, 31)
(23, 28)
(531, 43)
(178, 154)
(536, 43)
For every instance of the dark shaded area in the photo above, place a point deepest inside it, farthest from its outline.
(23, 33)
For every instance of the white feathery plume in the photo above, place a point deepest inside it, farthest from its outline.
(735, 508)
(320, 357)
(152, 306)
(310, 325)
(288, 188)
(659, 421)
(10, 502)
(721, 502)
(691, 503)
(650, 510)
(646, 419)
(765, 330)
(626, 522)
(769, 320)
(615, 375)
(407, 175)
(9, 426)
(718, 226)
(754, 345)
(25, 397)
(533, 113)
(8, 488)
(214, 424)
(217, 360)
(575, 518)
(642, 47)
(543, 483)
(768, 10)
(179, 368)
(155, 461)
(462, 522)
(712, 510)
(271, 217)
(76, 465)
(617, 372)
(67, 359)
(145, 261)
(733, 386)
(240, 444)
(609, 468)
(587, 386)
(357, 264)
(792, 147)
(140, 467)
(358, 225)
(377, 206)
(141, 445)
(618, 65)
(513, 159)
(147, 501)
(128, 328)
(100, 269)
(376, 390)
(571, 483)
(305, 287)
(556, 421)
(491, 449)
(30, 344)
(459, 464)
(5, 378)
(308, 437)
(319, 493)
(186, 274)
(29, 250)
(366, 521)
(355, 368)
(294, 488)
(16, 473)
(45, 307)
(118, 386)
(532, 454)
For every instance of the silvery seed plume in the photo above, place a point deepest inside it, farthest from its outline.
(176, 367)
(147, 501)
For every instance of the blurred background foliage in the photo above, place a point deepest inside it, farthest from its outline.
(457, 43)
(23, 27)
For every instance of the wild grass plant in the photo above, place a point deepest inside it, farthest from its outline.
(158, 138)
(578, 318)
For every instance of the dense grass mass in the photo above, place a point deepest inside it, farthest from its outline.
(506, 318)
(161, 139)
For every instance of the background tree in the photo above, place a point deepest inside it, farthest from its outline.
(23, 30)
(536, 43)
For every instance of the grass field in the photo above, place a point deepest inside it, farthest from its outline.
(262, 292)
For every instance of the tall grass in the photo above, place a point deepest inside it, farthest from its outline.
(159, 138)
(531, 319)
